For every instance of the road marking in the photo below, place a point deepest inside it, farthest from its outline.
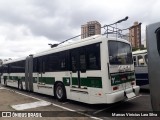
(98, 111)
(65, 108)
(30, 105)
(25, 94)
(2, 88)
(72, 110)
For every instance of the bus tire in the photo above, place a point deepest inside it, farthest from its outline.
(60, 92)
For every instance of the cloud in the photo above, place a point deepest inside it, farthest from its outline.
(17, 41)
(27, 26)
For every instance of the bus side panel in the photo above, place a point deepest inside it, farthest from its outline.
(12, 80)
(153, 64)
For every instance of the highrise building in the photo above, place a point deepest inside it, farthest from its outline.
(135, 35)
(90, 29)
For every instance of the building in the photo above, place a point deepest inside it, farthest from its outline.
(135, 35)
(90, 29)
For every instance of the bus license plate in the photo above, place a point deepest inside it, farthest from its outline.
(130, 95)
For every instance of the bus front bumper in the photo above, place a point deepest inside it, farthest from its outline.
(121, 95)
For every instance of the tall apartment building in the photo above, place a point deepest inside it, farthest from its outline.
(90, 29)
(135, 35)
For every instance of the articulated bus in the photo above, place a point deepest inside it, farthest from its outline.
(93, 70)
(140, 60)
(153, 48)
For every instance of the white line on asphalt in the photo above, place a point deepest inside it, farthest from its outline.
(1, 87)
(65, 108)
(25, 95)
(30, 105)
(29, 96)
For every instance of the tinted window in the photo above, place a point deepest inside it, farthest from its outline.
(140, 60)
(146, 58)
(63, 60)
(134, 60)
(1, 70)
(17, 67)
(119, 53)
(82, 62)
(74, 63)
(35, 65)
(158, 39)
(93, 57)
(52, 63)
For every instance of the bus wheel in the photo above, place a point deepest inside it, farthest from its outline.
(20, 86)
(60, 92)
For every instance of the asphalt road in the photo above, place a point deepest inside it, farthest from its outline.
(77, 110)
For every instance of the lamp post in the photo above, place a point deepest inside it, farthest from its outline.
(53, 45)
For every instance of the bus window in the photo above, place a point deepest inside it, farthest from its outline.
(119, 53)
(35, 65)
(62, 60)
(158, 39)
(92, 60)
(134, 60)
(146, 59)
(83, 62)
(93, 57)
(140, 60)
(74, 63)
(39, 61)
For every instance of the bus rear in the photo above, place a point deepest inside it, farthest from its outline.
(120, 71)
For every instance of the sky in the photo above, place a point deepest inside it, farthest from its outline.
(28, 26)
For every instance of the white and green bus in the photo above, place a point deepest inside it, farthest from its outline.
(93, 70)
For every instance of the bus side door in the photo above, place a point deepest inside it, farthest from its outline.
(78, 66)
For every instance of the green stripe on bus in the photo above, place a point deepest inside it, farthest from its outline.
(95, 82)
(120, 78)
(13, 78)
(66, 81)
(4, 77)
(47, 80)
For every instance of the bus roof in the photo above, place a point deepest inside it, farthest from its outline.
(79, 43)
(71, 45)
(14, 60)
(139, 52)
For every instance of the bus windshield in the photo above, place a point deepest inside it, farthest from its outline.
(119, 53)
